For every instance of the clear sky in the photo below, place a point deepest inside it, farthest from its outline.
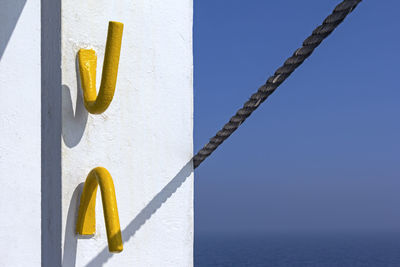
(323, 152)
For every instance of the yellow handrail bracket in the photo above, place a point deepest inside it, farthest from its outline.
(86, 223)
(87, 58)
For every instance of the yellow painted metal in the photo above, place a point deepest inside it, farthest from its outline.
(86, 223)
(87, 58)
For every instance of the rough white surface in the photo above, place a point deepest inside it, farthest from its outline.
(144, 138)
(20, 83)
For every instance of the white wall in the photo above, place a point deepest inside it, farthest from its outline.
(20, 132)
(144, 138)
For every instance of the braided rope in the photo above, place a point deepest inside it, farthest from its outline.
(281, 74)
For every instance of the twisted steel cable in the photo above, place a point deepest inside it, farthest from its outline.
(281, 74)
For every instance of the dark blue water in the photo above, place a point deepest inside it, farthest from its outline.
(371, 250)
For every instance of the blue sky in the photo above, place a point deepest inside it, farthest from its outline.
(323, 152)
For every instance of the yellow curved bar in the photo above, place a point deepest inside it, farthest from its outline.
(86, 223)
(87, 58)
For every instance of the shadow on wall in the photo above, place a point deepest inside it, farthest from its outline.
(144, 215)
(51, 129)
(71, 238)
(10, 10)
(73, 126)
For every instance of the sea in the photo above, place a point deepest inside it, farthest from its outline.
(297, 249)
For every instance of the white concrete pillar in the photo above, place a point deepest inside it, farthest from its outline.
(144, 138)
(50, 142)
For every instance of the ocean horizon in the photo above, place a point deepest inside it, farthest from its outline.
(342, 249)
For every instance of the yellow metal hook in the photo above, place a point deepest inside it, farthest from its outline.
(87, 58)
(86, 223)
